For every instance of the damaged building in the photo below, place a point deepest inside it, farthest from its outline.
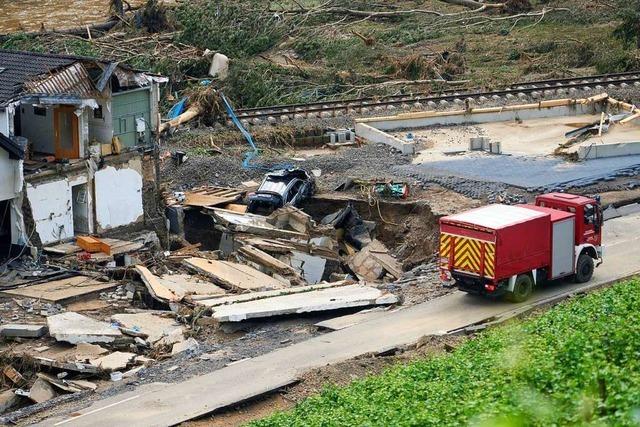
(76, 137)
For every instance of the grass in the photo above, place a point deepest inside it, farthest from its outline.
(577, 364)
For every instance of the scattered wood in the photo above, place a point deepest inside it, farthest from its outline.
(266, 260)
(191, 113)
(630, 118)
(234, 276)
(268, 245)
(212, 196)
(63, 290)
(89, 244)
(250, 223)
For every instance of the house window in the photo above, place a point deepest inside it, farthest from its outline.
(40, 111)
(97, 113)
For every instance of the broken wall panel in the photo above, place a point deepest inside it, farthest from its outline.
(51, 208)
(118, 194)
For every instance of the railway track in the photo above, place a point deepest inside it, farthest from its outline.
(525, 90)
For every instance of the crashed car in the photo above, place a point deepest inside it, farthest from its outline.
(287, 186)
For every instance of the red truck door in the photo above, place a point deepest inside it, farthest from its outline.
(563, 249)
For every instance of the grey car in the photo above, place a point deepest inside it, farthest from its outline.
(278, 188)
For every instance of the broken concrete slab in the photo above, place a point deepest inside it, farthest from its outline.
(183, 285)
(75, 328)
(155, 287)
(41, 391)
(250, 223)
(234, 299)
(373, 261)
(234, 276)
(188, 345)
(311, 267)
(114, 361)
(61, 291)
(290, 217)
(342, 322)
(22, 330)
(322, 300)
(154, 326)
(8, 399)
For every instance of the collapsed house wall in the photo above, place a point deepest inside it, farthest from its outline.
(83, 201)
(118, 192)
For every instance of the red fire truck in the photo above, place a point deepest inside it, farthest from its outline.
(502, 250)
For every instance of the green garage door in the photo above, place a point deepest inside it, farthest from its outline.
(131, 110)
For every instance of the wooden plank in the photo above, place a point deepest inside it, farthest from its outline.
(263, 258)
(236, 208)
(155, 287)
(268, 245)
(61, 291)
(63, 249)
(630, 118)
(234, 276)
(202, 200)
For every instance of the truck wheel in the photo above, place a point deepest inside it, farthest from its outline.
(584, 269)
(522, 289)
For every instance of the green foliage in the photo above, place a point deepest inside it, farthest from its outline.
(629, 28)
(21, 41)
(614, 59)
(576, 364)
(239, 28)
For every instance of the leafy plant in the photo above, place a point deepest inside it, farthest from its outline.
(239, 28)
(576, 364)
(629, 28)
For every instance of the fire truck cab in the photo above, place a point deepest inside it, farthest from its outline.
(502, 250)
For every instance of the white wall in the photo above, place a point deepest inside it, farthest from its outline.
(118, 196)
(4, 122)
(101, 130)
(51, 207)
(10, 176)
(38, 129)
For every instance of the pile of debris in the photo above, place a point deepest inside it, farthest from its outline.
(95, 310)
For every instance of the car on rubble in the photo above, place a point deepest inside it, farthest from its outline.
(278, 188)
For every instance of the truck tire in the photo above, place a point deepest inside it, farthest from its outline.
(522, 289)
(584, 269)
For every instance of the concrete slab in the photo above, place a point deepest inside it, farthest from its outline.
(22, 330)
(63, 290)
(323, 300)
(342, 322)
(233, 276)
(154, 326)
(75, 328)
(372, 134)
(233, 299)
(170, 404)
(114, 362)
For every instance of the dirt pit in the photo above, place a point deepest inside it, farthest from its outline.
(407, 227)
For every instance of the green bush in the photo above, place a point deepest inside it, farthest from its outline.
(577, 364)
(239, 28)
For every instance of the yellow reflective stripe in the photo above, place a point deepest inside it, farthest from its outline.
(468, 254)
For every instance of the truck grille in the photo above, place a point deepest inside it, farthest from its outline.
(469, 255)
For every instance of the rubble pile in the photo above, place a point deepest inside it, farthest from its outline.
(93, 311)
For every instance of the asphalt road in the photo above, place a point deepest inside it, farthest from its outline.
(168, 404)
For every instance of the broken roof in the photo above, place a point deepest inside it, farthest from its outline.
(15, 151)
(20, 67)
(51, 74)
